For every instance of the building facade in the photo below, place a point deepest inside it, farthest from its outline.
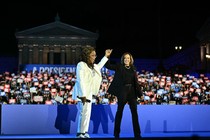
(53, 43)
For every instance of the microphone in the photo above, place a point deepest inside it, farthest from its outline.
(81, 98)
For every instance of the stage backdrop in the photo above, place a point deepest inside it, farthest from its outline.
(62, 119)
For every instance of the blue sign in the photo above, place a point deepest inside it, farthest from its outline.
(55, 68)
(49, 68)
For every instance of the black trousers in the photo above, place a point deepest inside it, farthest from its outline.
(127, 96)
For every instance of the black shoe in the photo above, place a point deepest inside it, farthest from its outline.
(137, 137)
(116, 136)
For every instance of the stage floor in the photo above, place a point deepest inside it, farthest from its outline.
(60, 122)
(149, 136)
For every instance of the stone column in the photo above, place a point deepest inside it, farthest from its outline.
(51, 55)
(30, 52)
(207, 59)
(78, 52)
(73, 52)
(20, 54)
(20, 57)
(63, 54)
(208, 49)
(202, 52)
(68, 54)
(40, 54)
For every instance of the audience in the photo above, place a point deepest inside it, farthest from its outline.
(51, 88)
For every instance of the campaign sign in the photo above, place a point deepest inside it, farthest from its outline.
(48, 68)
(56, 68)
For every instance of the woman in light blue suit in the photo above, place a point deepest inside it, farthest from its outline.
(88, 80)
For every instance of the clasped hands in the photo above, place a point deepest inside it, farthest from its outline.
(83, 99)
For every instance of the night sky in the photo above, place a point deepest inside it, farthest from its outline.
(147, 29)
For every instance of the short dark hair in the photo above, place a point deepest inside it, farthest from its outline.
(131, 57)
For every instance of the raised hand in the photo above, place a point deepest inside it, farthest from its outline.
(108, 52)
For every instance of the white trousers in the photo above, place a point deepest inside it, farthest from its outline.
(84, 117)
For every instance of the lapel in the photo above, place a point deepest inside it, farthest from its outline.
(96, 70)
(88, 69)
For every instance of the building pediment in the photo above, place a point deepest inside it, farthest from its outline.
(53, 43)
(56, 29)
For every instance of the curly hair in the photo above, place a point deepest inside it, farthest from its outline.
(85, 55)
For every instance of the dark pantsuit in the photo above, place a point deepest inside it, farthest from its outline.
(128, 97)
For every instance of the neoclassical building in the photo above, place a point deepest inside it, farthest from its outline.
(53, 43)
(204, 37)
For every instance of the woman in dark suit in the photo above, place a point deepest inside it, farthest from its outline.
(126, 88)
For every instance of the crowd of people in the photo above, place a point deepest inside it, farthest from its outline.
(51, 88)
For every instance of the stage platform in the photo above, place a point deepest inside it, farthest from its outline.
(60, 122)
(157, 136)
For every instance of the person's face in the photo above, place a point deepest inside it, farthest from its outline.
(127, 60)
(93, 56)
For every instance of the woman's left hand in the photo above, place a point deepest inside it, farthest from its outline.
(108, 52)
